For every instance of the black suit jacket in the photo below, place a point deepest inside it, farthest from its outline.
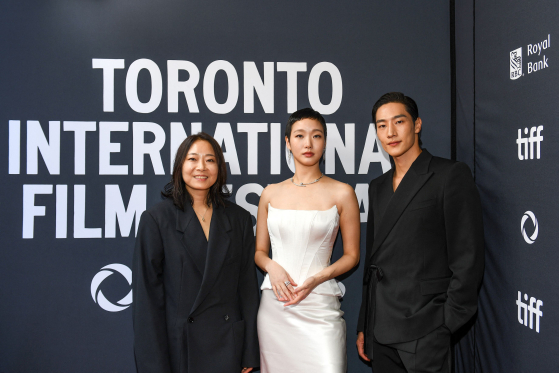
(195, 313)
(427, 238)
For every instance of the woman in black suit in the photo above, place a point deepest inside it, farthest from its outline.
(194, 279)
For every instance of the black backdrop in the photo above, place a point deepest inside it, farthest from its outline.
(516, 172)
(52, 318)
(511, 80)
(49, 318)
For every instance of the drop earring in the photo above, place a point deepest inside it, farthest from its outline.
(289, 155)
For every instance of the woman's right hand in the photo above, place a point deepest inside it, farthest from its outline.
(278, 278)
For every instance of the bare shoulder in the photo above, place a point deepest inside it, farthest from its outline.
(341, 190)
(272, 189)
(267, 193)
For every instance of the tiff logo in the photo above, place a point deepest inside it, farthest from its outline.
(535, 137)
(529, 307)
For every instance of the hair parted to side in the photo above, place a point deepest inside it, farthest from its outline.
(306, 113)
(398, 97)
(176, 188)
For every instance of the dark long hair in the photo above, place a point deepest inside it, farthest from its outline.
(176, 188)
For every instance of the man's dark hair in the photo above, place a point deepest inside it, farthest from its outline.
(398, 97)
(176, 188)
(306, 113)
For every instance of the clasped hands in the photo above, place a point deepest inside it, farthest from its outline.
(284, 286)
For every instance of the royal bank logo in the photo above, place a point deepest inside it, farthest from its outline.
(533, 308)
(535, 52)
(516, 64)
(99, 297)
(529, 215)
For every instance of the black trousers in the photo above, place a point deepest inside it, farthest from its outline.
(428, 354)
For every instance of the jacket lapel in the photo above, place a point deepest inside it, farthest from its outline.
(382, 198)
(218, 245)
(415, 178)
(193, 237)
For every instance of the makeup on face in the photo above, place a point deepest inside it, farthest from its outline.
(307, 141)
(199, 170)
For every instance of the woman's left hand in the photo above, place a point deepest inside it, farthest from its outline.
(246, 370)
(301, 292)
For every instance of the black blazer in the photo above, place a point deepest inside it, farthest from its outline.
(427, 238)
(195, 313)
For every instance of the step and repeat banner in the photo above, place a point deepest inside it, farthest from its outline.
(96, 96)
(516, 154)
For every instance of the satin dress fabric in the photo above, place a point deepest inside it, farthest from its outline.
(309, 336)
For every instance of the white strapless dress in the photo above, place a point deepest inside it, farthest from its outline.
(309, 336)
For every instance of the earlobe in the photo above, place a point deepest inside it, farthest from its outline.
(287, 144)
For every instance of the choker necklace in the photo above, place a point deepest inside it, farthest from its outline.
(304, 185)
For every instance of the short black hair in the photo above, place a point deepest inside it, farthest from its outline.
(397, 97)
(306, 113)
(176, 188)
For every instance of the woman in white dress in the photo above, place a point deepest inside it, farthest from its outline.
(300, 324)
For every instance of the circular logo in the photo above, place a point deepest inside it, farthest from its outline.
(532, 238)
(99, 297)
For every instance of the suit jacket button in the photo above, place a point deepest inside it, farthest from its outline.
(226, 317)
(190, 320)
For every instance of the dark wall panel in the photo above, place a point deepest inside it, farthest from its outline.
(516, 156)
(49, 320)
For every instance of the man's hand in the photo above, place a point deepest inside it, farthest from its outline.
(361, 346)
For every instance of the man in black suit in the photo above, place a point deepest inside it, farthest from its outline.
(425, 257)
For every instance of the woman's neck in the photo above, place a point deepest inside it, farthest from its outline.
(306, 174)
(199, 197)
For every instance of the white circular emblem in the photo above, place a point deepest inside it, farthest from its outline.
(99, 297)
(532, 238)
